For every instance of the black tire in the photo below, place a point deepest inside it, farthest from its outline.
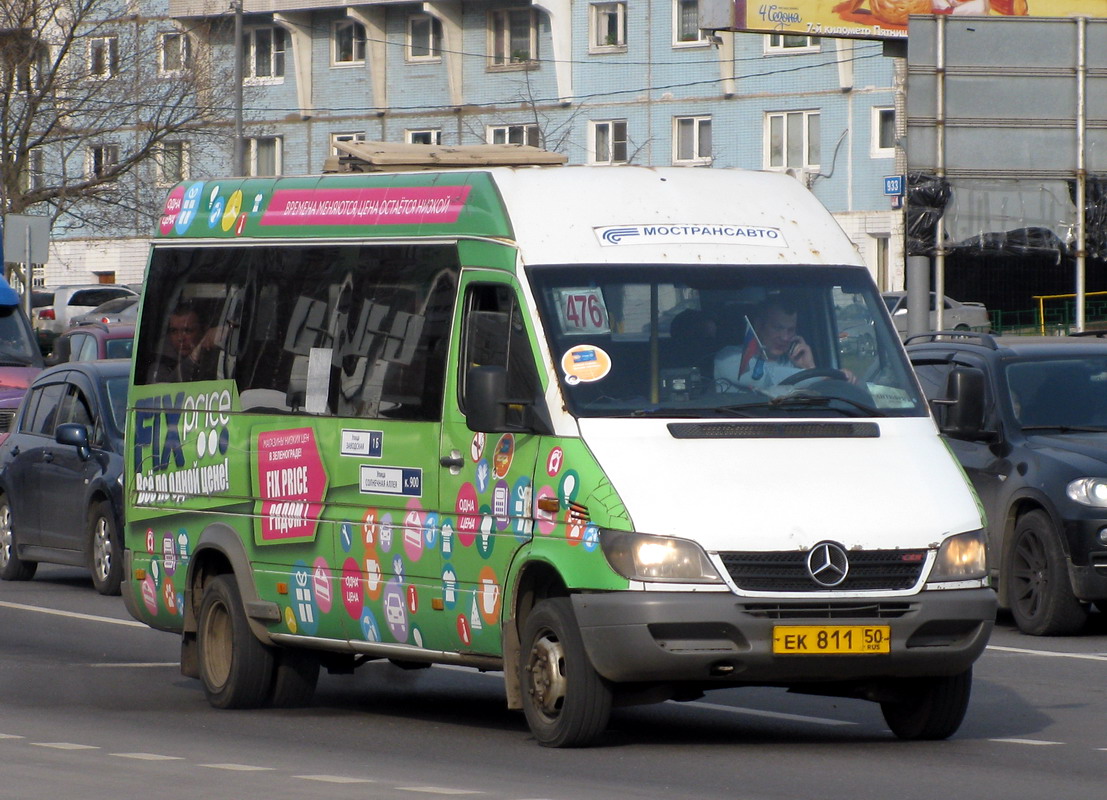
(1035, 579)
(931, 708)
(295, 674)
(12, 567)
(235, 668)
(566, 702)
(105, 552)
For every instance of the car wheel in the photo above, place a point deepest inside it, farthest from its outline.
(12, 567)
(1036, 580)
(235, 668)
(929, 708)
(566, 702)
(104, 550)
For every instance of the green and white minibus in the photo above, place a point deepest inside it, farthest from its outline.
(533, 420)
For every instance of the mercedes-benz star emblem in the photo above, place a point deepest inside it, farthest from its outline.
(827, 564)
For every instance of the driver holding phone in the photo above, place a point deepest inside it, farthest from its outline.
(770, 353)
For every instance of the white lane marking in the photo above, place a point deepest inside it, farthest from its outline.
(147, 756)
(236, 767)
(437, 790)
(332, 779)
(1036, 742)
(131, 623)
(143, 664)
(11, 736)
(1047, 653)
(65, 746)
(756, 712)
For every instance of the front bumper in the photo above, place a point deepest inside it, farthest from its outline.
(719, 638)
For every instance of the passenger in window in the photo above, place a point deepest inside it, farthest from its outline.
(189, 349)
(771, 352)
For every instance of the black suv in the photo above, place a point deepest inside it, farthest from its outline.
(1032, 437)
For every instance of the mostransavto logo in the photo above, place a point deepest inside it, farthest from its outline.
(687, 233)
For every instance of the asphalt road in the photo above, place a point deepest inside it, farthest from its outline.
(92, 706)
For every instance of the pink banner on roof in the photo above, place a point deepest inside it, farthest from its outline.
(407, 205)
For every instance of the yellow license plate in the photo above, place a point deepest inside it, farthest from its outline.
(831, 639)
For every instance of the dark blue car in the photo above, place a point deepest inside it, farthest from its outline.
(61, 468)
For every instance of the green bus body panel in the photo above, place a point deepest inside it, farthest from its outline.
(414, 204)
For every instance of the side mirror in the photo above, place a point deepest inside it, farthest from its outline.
(487, 406)
(964, 417)
(76, 435)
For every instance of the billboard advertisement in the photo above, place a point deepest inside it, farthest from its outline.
(871, 19)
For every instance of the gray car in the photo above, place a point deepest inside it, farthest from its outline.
(956, 316)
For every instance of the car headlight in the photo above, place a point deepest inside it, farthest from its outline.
(1088, 491)
(961, 558)
(651, 559)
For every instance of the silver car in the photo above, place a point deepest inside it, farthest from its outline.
(956, 316)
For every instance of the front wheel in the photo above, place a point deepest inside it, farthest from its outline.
(235, 668)
(930, 708)
(104, 549)
(566, 702)
(1036, 579)
(12, 567)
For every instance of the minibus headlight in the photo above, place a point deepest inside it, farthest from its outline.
(1088, 492)
(960, 558)
(653, 559)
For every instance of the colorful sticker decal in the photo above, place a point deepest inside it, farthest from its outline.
(585, 363)
(574, 534)
(404, 481)
(568, 488)
(215, 211)
(467, 517)
(291, 482)
(501, 505)
(180, 209)
(386, 532)
(395, 610)
(463, 631)
(520, 508)
(413, 533)
(150, 541)
(503, 455)
(547, 520)
(392, 205)
(321, 583)
(370, 630)
(591, 537)
(554, 461)
(182, 544)
(430, 530)
(304, 604)
(352, 596)
(476, 448)
(290, 620)
(449, 586)
(169, 553)
(346, 536)
(489, 596)
(484, 473)
(170, 596)
(150, 593)
(230, 215)
(487, 539)
(365, 444)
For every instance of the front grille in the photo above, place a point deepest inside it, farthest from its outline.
(786, 571)
(828, 610)
(6, 417)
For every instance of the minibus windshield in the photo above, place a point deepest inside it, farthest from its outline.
(718, 341)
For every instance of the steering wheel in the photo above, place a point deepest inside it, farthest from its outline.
(809, 374)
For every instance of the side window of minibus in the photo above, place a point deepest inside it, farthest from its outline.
(494, 334)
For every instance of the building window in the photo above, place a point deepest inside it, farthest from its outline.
(263, 49)
(514, 134)
(33, 174)
(265, 155)
(884, 132)
(792, 140)
(513, 35)
(790, 43)
(29, 72)
(175, 52)
(101, 158)
(103, 56)
(345, 137)
(609, 142)
(424, 37)
(172, 163)
(692, 140)
(686, 23)
(609, 26)
(424, 136)
(349, 42)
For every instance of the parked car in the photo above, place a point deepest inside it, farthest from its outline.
(93, 341)
(61, 494)
(119, 309)
(956, 316)
(20, 355)
(70, 301)
(1038, 462)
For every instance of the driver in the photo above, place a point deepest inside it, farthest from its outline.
(188, 349)
(770, 353)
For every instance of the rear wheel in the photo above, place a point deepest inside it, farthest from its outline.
(930, 708)
(235, 668)
(1036, 580)
(566, 702)
(12, 567)
(104, 550)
